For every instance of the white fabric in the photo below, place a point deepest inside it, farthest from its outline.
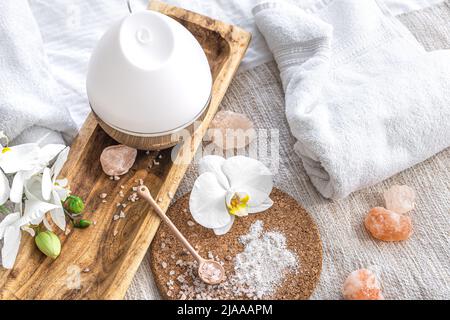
(363, 98)
(70, 30)
(30, 107)
(239, 12)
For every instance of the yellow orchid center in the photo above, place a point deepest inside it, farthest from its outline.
(238, 204)
(6, 149)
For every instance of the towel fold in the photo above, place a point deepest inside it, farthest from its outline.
(30, 108)
(363, 98)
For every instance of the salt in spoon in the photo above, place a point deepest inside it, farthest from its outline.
(209, 271)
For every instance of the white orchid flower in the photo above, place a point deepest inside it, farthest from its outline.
(29, 166)
(50, 189)
(227, 188)
(12, 225)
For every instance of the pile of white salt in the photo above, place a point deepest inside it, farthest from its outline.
(258, 270)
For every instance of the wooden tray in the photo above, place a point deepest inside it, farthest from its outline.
(100, 262)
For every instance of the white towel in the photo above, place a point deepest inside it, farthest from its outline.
(30, 109)
(363, 98)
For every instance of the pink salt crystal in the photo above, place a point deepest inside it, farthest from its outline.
(231, 130)
(362, 285)
(117, 160)
(400, 199)
(388, 225)
(211, 272)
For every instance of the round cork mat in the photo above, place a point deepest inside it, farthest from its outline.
(169, 260)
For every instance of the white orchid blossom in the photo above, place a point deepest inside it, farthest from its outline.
(43, 192)
(227, 188)
(47, 188)
(18, 160)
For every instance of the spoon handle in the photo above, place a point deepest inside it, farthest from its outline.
(145, 194)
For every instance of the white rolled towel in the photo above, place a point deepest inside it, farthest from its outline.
(30, 98)
(363, 98)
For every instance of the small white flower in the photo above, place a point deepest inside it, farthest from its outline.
(228, 188)
(26, 162)
(50, 189)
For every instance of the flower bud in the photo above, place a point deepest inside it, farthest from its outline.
(82, 224)
(48, 243)
(74, 204)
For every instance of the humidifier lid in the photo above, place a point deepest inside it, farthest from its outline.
(148, 75)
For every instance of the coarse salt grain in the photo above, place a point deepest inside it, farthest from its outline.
(103, 195)
(190, 223)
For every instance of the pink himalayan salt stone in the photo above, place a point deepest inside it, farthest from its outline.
(362, 285)
(388, 225)
(117, 160)
(231, 130)
(400, 199)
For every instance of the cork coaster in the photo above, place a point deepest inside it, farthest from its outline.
(285, 216)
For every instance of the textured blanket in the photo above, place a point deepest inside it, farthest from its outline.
(416, 269)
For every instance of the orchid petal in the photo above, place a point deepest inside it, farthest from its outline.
(207, 202)
(57, 214)
(225, 229)
(28, 230)
(19, 182)
(10, 219)
(59, 163)
(214, 164)
(49, 152)
(262, 207)
(251, 176)
(23, 157)
(33, 188)
(16, 192)
(47, 184)
(4, 188)
(11, 245)
(47, 224)
(35, 210)
(62, 182)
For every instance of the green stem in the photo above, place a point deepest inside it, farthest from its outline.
(4, 210)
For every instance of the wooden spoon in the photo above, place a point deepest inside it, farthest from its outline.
(210, 271)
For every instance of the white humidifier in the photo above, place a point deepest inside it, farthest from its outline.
(148, 80)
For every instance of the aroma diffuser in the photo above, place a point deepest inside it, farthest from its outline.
(148, 79)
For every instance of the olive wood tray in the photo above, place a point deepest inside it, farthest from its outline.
(100, 262)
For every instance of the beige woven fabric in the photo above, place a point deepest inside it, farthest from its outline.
(416, 269)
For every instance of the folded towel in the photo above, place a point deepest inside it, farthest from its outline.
(363, 98)
(29, 96)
